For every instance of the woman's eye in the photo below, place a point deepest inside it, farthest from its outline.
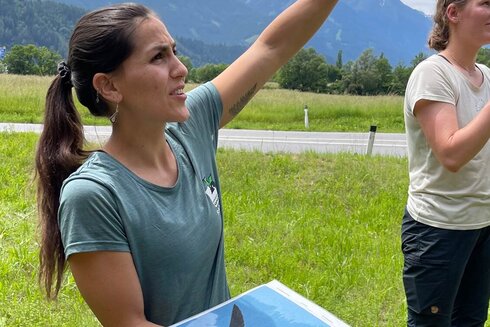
(158, 56)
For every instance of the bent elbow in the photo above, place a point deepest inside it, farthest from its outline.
(451, 164)
(453, 168)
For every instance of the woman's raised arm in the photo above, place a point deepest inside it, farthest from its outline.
(285, 36)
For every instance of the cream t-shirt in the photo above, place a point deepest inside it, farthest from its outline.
(436, 196)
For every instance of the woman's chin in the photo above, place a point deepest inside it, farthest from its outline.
(184, 116)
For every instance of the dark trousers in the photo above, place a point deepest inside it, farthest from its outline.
(446, 275)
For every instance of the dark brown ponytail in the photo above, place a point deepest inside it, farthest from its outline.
(100, 42)
(59, 153)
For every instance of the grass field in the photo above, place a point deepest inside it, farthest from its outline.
(22, 100)
(325, 225)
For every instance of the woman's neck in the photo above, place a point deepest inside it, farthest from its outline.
(141, 147)
(461, 56)
(150, 158)
(464, 61)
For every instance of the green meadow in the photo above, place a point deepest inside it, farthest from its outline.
(22, 101)
(325, 225)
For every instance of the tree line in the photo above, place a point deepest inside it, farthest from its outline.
(307, 71)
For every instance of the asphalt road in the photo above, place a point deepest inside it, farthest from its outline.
(271, 141)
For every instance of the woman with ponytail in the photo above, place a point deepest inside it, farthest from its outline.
(140, 221)
(446, 226)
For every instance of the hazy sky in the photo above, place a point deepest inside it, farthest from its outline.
(427, 6)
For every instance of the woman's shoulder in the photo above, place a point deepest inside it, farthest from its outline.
(203, 93)
(205, 106)
(432, 63)
(435, 68)
(99, 168)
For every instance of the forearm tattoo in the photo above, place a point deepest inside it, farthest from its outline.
(237, 107)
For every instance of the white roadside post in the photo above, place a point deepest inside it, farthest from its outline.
(307, 123)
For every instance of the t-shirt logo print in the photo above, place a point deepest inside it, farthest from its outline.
(212, 191)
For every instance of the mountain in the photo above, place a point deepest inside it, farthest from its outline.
(44, 23)
(388, 26)
(219, 30)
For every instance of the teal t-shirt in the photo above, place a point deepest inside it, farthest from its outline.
(175, 235)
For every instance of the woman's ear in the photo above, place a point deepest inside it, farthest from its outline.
(105, 88)
(452, 13)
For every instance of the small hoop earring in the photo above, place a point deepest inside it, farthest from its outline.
(113, 117)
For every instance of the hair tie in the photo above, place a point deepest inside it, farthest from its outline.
(64, 72)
